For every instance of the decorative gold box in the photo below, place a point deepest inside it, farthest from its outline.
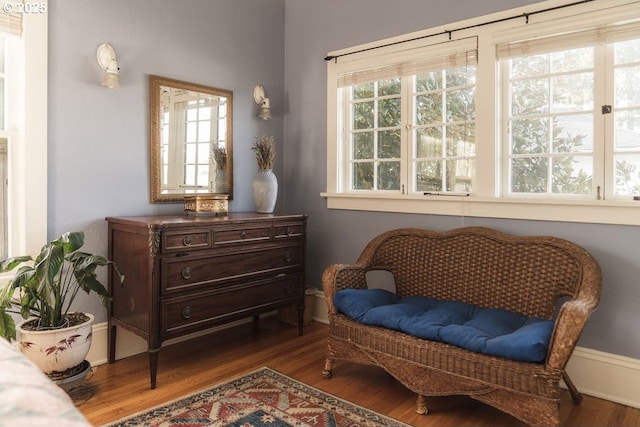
(206, 204)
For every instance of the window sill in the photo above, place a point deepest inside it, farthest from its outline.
(585, 211)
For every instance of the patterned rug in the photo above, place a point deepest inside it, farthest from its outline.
(263, 398)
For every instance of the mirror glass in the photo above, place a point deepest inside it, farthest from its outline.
(191, 140)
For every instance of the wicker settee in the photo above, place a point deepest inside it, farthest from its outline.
(538, 276)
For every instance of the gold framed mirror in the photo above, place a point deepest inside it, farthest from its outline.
(191, 140)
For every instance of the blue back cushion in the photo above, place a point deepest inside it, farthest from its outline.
(489, 331)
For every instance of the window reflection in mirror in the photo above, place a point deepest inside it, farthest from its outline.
(191, 140)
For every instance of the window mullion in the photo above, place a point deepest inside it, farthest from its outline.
(407, 132)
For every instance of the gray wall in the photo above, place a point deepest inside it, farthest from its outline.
(314, 28)
(98, 138)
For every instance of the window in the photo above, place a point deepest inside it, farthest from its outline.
(555, 97)
(409, 125)
(23, 134)
(517, 115)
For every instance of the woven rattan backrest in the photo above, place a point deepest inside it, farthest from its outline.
(481, 266)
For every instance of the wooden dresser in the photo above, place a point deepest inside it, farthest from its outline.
(185, 274)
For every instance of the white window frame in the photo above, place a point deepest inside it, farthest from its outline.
(487, 200)
(28, 152)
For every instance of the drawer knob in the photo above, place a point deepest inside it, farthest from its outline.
(288, 290)
(289, 231)
(186, 312)
(186, 272)
(288, 257)
(186, 241)
(243, 234)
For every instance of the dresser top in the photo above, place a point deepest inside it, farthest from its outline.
(169, 221)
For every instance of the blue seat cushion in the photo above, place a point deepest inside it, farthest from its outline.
(490, 331)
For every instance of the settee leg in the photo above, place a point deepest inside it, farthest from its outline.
(328, 368)
(421, 405)
(575, 394)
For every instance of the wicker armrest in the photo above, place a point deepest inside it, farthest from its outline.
(568, 327)
(342, 276)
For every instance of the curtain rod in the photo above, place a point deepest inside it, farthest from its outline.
(525, 15)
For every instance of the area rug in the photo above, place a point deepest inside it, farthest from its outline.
(263, 398)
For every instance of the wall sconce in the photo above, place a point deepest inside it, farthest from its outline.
(262, 101)
(107, 61)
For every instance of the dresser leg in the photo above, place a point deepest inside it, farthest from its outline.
(300, 319)
(111, 332)
(153, 365)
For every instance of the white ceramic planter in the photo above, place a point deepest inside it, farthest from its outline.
(265, 190)
(56, 350)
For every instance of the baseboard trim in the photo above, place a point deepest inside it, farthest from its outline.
(595, 373)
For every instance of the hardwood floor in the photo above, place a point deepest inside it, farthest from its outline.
(121, 389)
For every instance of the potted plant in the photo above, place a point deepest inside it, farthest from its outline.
(51, 336)
(265, 182)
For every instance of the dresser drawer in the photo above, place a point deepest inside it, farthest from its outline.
(288, 230)
(223, 236)
(172, 241)
(180, 314)
(192, 273)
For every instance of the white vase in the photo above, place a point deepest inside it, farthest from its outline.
(56, 350)
(265, 190)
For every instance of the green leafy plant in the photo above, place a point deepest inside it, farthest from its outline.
(48, 286)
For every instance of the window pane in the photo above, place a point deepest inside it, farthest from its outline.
(192, 132)
(461, 140)
(572, 175)
(388, 175)
(627, 86)
(573, 92)
(429, 142)
(530, 136)
(627, 175)
(389, 87)
(363, 115)
(190, 153)
(429, 176)
(389, 144)
(204, 131)
(192, 114)
(460, 175)
(573, 134)
(627, 52)
(530, 96)
(627, 130)
(389, 112)
(189, 175)
(203, 175)
(529, 66)
(529, 175)
(363, 145)
(460, 105)
(572, 60)
(204, 113)
(429, 81)
(428, 108)
(363, 176)
(461, 76)
(204, 150)
(364, 90)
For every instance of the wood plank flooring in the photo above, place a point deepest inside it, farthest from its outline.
(120, 389)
